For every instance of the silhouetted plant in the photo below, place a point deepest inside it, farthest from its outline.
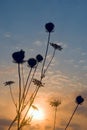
(9, 83)
(24, 102)
(56, 47)
(55, 104)
(49, 28)
(79, 100)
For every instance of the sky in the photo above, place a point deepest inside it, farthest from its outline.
(22, 27)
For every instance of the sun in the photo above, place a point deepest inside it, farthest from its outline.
(37, 114)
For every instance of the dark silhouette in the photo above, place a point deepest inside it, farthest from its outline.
(18, 56)
(55, 104)
(39, 58)
(49, 27)
(32, 62)
(8, 83)
(55, 46)
(79, 100)
(24, 103)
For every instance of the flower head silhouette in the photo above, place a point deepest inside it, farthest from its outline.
(39, 58)
(18, 56)
(7, 83)
(56, 47)
(32, 62)
(55, 104)
(79, 100)
(49, 27)
(37, 82)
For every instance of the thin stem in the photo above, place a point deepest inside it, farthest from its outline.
(45, 55)
(30, 82)
(23, 95)
(28, 78)
(71, 117)
(22, 70)
(19, 96)
(12, 96)
(55, 118)
(50, 61)
(31, 102)
(12, 123)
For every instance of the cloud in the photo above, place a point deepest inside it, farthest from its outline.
(7, 35)
(35, 127)
(4, 122)
(48, 127)
(75, 126)
(82, 61)
(61, 81)
(2, 128)
(83, 53)
(84, 67)
(38, 43)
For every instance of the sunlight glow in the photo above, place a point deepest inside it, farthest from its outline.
(36, 114)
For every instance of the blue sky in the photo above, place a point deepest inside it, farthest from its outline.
(22, 27)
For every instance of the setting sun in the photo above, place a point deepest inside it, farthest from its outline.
(37, 114)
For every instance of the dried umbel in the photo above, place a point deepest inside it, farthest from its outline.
(56, 46)
(49, 27)
(38, 83)
(55, 103)
(7, 83)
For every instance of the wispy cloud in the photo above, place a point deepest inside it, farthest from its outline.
(7, 35)
(4, 122)
(37, 43)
